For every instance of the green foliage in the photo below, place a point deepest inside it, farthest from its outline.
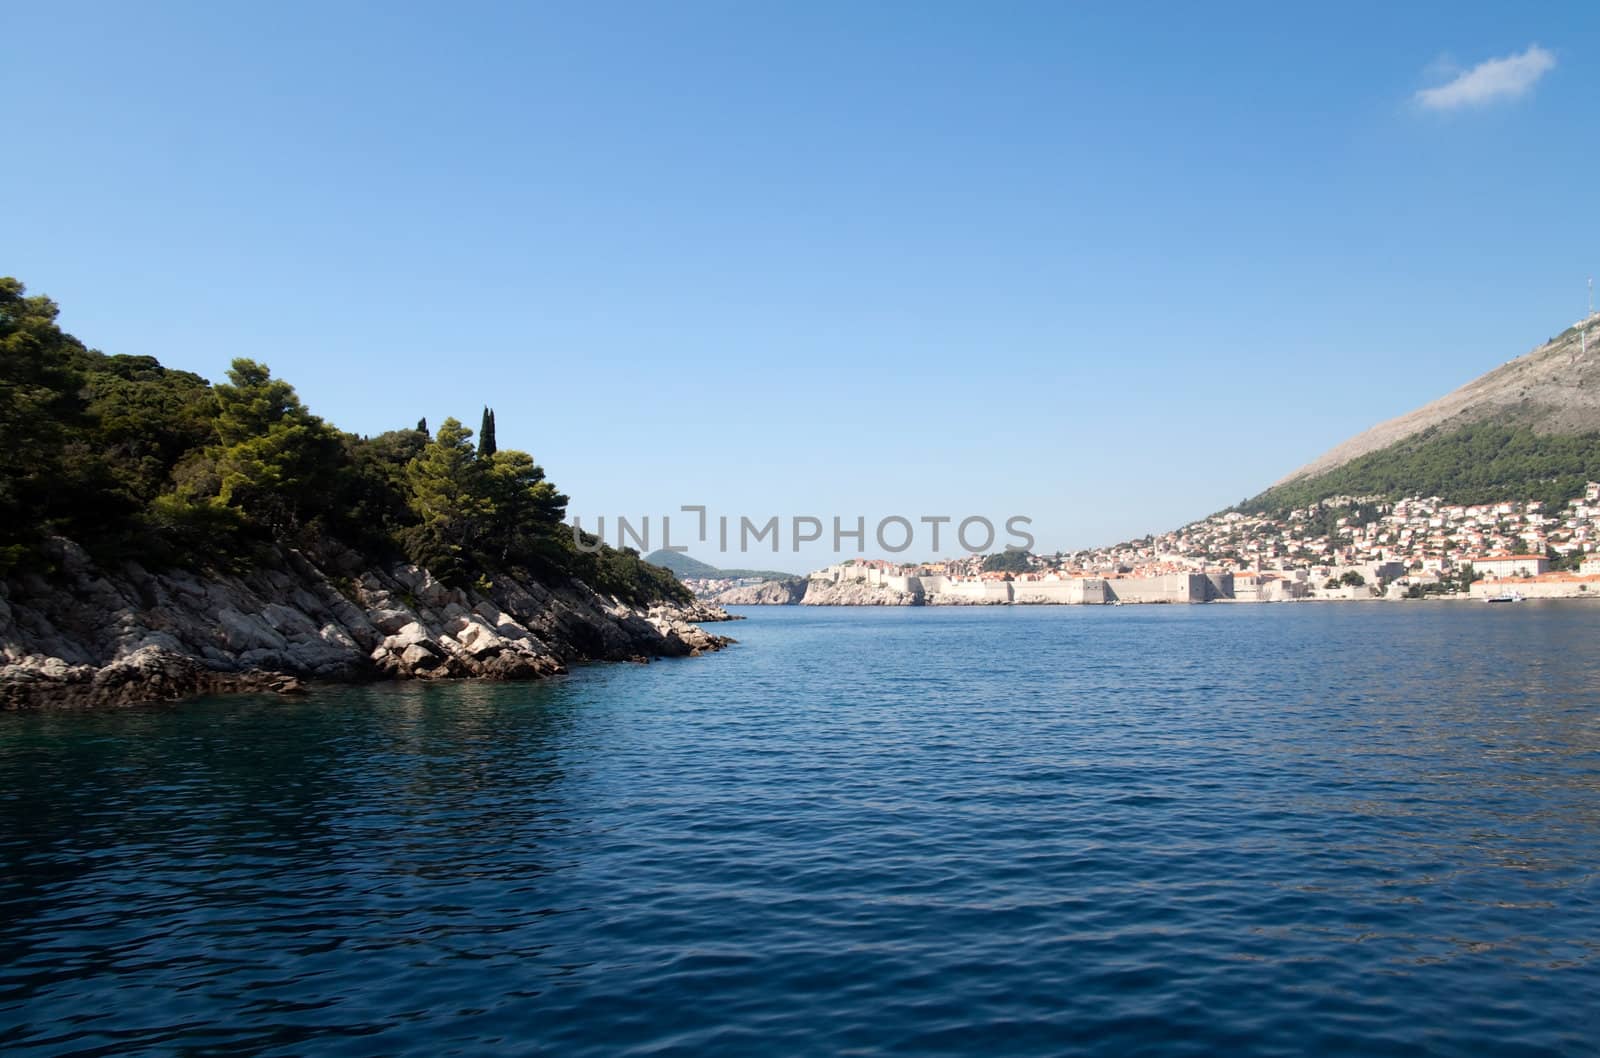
(446, 481)
(1006, 562)
(475, 512)
(621, 572)
(1485, 463)
(372, 494)
(182, 525)
(1559, 563)
(1323, 519)
(1453, 583)
(40, 408)
(271, 467)
(134, 460)
(1352, 579)
(486, 441)
(147, 418)
(448, 498)
(276, 461)
(525, 508)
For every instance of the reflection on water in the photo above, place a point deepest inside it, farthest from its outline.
(1329, 829)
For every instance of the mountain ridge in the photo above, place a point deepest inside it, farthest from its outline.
(683, 565)
(1552, 389)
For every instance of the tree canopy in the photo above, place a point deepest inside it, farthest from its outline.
(1007, 562)
(134, 460)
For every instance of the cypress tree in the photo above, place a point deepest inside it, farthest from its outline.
(422, 426)
(486, 445)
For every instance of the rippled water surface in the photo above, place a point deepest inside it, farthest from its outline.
(1359, 829)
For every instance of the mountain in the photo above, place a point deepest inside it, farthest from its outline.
(1528, 429)
(686, 567)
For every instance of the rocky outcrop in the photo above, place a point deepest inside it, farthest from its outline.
(702, 612)
(945, 598)
(855, 593)
(88, 636)
(804, 592)
(767, 593)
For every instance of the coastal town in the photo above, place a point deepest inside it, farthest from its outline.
(1343, 548)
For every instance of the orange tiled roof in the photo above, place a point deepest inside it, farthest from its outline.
(1554, 578)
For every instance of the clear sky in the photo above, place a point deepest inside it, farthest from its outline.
(1110, 269)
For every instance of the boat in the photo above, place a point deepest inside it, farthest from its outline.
(1505, 596)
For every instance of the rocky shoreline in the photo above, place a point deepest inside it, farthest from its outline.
(802, 592)
(86, 636)
(767, 593)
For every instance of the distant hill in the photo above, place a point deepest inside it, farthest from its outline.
(684, 566)
(1529, 429)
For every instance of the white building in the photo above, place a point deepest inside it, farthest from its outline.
(1510, 565)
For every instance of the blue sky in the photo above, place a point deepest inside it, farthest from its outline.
(1111, 270)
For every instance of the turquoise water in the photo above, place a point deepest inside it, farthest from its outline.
(1341, 830)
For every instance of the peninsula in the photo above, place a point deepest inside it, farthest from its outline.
(161, 536)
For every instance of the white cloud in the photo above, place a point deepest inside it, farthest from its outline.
(1491, 80)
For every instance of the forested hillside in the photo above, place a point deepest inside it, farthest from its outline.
(685, 566)
(1483, 463)
(136, 461)
(1522, 430)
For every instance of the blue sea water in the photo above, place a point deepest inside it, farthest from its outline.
(1314, 829)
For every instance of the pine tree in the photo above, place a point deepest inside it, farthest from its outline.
(526, 510)
(422, 426)
(448, 498)
(275, 457)
(486, 445)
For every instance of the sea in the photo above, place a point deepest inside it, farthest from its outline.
(1334, 829)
